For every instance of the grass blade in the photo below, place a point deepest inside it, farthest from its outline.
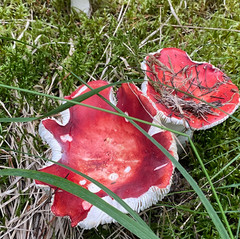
(105, 189)
(126, 221)
(109, 192)
(212, 213)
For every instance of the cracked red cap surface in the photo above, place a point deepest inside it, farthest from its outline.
(111, 150)
(172, 77)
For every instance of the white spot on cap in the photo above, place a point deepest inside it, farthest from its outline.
(161, 166)
(126, 113)
(82, 182)
(127, 169)
(86, 205)
(93, 188)
(66, 137)
(113, 176)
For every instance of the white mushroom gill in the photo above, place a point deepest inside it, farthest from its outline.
(152, 196)
(52, 142)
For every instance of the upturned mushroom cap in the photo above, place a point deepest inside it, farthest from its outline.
(111, 150)
(172, 78)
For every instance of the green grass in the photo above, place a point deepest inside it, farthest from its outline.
(101, 44)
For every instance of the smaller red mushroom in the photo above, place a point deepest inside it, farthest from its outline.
(187, 94)
(111, 150)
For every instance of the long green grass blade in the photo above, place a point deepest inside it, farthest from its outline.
(15, 40)
(238, 229)
(206, 203)
(109, 192)
(235, 185)
(225, 142)
(105, 189)
(222, 155)
(125, 220)
(78, 99)
(212, 213)
(227, 165)
(70, 103)
(19, 119)
(212, 187)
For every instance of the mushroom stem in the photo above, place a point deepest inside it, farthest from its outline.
(82, 5)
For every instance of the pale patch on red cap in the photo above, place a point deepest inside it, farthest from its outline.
(66, 138)
(86, 205)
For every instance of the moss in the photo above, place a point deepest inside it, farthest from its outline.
(101, 42)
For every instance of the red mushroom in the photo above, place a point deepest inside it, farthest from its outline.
(111, 150)
(179, 89)
(172, 78)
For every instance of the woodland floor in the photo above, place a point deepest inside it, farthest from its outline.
(111, 45)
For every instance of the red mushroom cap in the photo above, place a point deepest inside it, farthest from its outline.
(111, 150)
(173, 67)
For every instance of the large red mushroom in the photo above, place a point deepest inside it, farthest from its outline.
(111, 150)
(187, 94)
